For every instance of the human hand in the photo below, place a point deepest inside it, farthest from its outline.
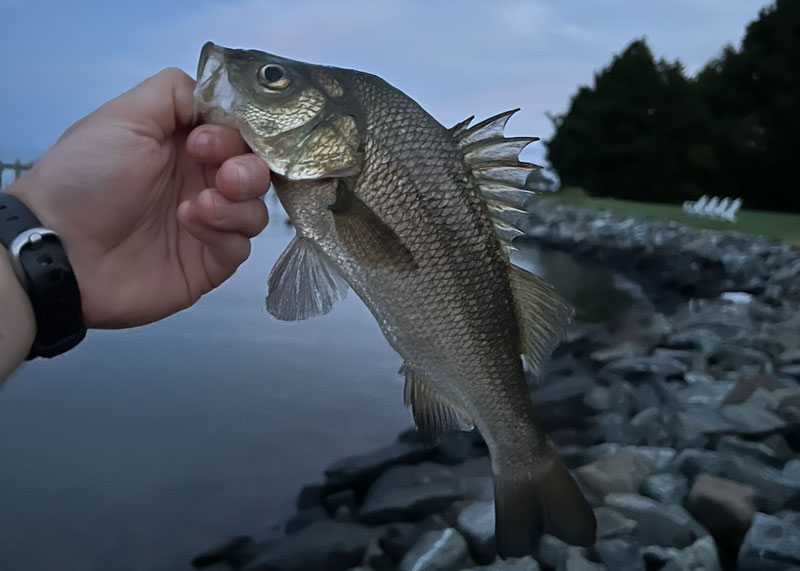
(152, 214)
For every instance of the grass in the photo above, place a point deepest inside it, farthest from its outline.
(776, 225)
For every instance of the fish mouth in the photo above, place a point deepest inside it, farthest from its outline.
(213, 93)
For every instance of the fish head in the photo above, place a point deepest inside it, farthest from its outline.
(290, 113)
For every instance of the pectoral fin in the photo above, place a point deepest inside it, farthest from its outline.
(368, 238)
(432, 415)
(542, 314)
(303, 283)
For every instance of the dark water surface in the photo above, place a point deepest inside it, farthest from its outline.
(143, 447)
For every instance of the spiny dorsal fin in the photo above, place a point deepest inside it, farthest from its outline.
(542, 314)
(501, 176)
(303, 283)
(459, 128)
(432, 415)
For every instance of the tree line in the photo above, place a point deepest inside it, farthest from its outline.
(645, 131)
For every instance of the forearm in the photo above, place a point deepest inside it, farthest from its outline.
(17, 322)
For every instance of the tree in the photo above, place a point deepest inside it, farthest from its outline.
(754, 99)
(641, 132)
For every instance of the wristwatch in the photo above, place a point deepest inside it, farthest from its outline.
(41, 264)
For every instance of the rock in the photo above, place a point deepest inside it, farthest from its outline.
(658, 524)
(408, 493)
(666, 488)
(611, 523)
(357, 470)
(310, 496)
(772, 544)
(576, 561)
(342, 498)
(774, 492)
(398, 539)
(620, 555)
(559, 401)
(700, 556)
(751, 420)
(456, 447)
(443, 550)
(724, 507)
(642, 368)
(757, 450)
(324, 545)
(659, 456)
(616, 428)
(702, 421)
(304, 518)
(622, 472)
(744, 388)
(476, 524)
(524, 564)
(375, 559)
(691, 462)
(597, 399)
(235, 552)
(551, 551)
(792, 470)
(625, 350)
(621, 398)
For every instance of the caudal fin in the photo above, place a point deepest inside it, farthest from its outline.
(538, 498)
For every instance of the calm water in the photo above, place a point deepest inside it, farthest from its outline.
(143, 447)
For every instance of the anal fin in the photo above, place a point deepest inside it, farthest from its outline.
(303, 283)
(432, 415)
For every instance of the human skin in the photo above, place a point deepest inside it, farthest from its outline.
(153, 213)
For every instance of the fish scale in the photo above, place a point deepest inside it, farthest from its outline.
(415, 219)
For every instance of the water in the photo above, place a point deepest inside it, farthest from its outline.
(143, 447)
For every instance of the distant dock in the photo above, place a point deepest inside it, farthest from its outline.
(17, 167)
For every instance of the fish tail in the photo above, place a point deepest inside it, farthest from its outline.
(539, 497)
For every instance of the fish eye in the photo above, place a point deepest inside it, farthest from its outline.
(273, 76)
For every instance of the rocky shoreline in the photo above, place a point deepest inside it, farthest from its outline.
(680, 419)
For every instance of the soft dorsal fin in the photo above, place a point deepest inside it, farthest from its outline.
(432, 415)
(501, 176)
(542, 314)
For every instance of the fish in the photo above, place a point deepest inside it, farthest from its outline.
(418, 220)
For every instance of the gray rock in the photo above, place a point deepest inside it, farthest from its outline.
(701, 556)
(646, 396)
(356, 470)
(666, 488)
(407, 493)
(658, 524)
(611, 523)
(342, 498)
(399, 538)
(551, 551)
(659, 456)
(751, 420)
(310, 496)
(375, 558)
(621, 398)
(641, 368)
(774, 491)
(625, 350)
(325, 545)
(621, 472)
(771, 544)
(691, 462)
(724, 507)
(575, 560)
(745, 387)
(524, 564)
(620, 554)
(758, 450)
(236, 552)
(476, 524)
(443, 550)
(597, 399)
(701, 421)
(304, 518)
(792, 470)
(559, 401)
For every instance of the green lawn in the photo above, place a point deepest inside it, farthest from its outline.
(776, 225)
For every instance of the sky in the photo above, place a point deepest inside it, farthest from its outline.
(60, 60)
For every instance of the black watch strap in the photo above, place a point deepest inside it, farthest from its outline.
(42, 265)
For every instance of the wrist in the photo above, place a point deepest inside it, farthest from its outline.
(18, 325)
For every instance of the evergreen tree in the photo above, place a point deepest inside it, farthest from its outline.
(754, 98)
(640, 132)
